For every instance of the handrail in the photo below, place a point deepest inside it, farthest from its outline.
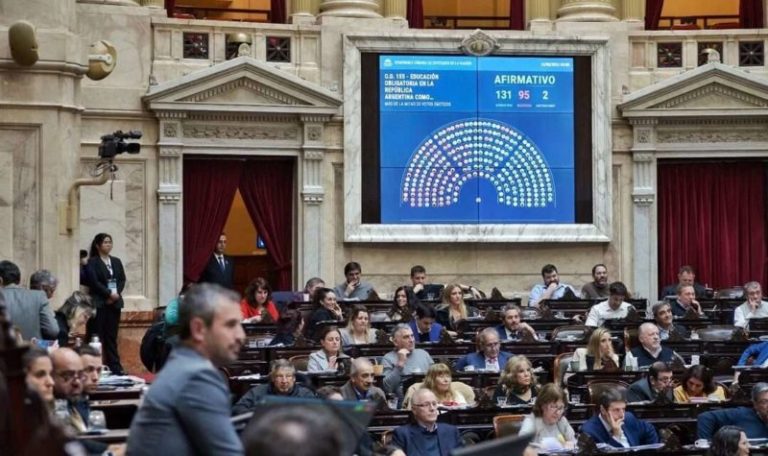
(453, 22)
(205, 10)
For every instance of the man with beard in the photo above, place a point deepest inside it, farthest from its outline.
(598, 287)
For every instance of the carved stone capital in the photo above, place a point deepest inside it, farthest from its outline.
(170, 152)
(314, 154)
(170, 129)
(313, 133)
(169, 194)
(312, 198)
(642, 157)
(643, 135)
(643, 199)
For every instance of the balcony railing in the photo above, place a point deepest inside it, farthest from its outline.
(181, 11)
(467, 22)
(699, 22)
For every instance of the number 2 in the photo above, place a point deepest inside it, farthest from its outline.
(545, 95)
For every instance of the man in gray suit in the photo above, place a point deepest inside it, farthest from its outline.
(29, 309)
(187, 408)
(658, 381)
(360, 385)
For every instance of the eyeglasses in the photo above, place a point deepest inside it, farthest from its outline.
(68, 376)
(427, 404)
(556, 408)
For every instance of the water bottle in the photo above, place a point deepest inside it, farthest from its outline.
(96, 344)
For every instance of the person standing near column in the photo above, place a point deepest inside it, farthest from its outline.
(220, 268)
(106, 281)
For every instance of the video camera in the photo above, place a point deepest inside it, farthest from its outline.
(114, 144)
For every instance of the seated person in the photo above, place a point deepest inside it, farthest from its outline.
(92, 367)
(751, 420)
(547, 422)
(650, 349)
(488, 356)
(405, 359)
(330, 356)
(614, 307)
(617, 427)
(257, 303)
(289, 326)
(424, 327)
(360, 385)
(439, 381)
(729, 441)
(282, 382)
(658, 381)
(698, 382)
(758, 353)
(330, 392)
(598, 354)
(311, 286)
(598, 287)
(686, 299)
(401, 309)
(517, 382)
(426, 437)
(353, 288)
(662, 315)
(753, 307)
(686, 276)
(358, 330)
(422, 290)
(551, 288)
(453, 308)
(512, 327)
(73, 315)
(38, 374)
(325, 309)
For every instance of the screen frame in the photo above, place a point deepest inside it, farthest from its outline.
(357, 46)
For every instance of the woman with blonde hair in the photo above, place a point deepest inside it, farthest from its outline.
(547, 422)
(439, 381)
(517, 382)
(453, 309)
(358, 330)
(598, 354)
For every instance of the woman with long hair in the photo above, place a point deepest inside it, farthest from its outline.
(289, 327)
(547, 422)
(401, 309)
(698, 384)
(358, 330)
(329, 357)
(106, 281)
(38, 374)
(326, 308)
(729, 441)
(517, 382)
(256, 305)
(598, 354)
(453, 309)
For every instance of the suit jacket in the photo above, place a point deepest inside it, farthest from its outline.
(641, 391)
(213, 273)
(745, 418)
(409, 439)
(186, 411)
(477, 360)
(375, 394)
(30, 313)
(99, 277)
(434, 331)
(248, 402)
(638, 432)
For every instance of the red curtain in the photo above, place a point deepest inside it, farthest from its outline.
(415, 14)
(277, 11)
(267, 189)
(517, 14)
(209, 188)
(712, 216)
(653, 13)
(751, 13)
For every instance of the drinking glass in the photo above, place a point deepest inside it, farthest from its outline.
(501, 402)
(97, 421)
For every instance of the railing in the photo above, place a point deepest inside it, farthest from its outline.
(226, 14)
(460, 22)
(698, 22)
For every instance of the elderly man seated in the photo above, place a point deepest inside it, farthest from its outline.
(658, 381)
(613, 308)
(617, 427)
(662, 315)
(754, 421)
(282, 382)
(488, 356)
(650, 349)
(426, 437)
(405, 359)
(360, 385)
(753, 307)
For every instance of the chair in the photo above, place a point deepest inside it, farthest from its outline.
(299, 362)
(571, 333)
(560, 367)
(597, 387)
(730, 293)
(506, 425)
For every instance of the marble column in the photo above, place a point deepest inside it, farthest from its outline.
(634, 10)
(153, 3)
(395, 9)
(350, 8)
(645, 256)
(312, 196)
(302, 11)
(170, 216)
(538, 10)
(587, 11)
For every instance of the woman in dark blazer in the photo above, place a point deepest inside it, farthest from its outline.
(106, 281)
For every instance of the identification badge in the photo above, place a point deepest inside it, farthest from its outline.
(112, 285)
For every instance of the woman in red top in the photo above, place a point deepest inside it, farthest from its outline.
(256, 300)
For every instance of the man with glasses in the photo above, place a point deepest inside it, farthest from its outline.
(488, 356)
(753, 421)
(658, 381)
(425, 436)
(282, 382)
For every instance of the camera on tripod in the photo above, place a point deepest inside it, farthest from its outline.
(114, 144)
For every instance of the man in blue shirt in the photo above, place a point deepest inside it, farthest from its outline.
(551, 288)
(753, 421)
(426, 437)
(757, 351)
(617, 427)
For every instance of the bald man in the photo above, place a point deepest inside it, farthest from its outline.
(650, 349)
(360, 385)
(426, 437)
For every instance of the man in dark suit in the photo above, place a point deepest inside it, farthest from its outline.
(187, 409)
(426, 437)
(220, 268)
(686, 276)
(753, 421)
(488, 355)
(28, 309)
(360, 386)
(617, 427)
(650, 349)
(658, 381)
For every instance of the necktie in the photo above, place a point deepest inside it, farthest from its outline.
(221, 262)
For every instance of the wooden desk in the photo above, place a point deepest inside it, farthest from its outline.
(108, 394)
(119, 413)
(111, 436)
